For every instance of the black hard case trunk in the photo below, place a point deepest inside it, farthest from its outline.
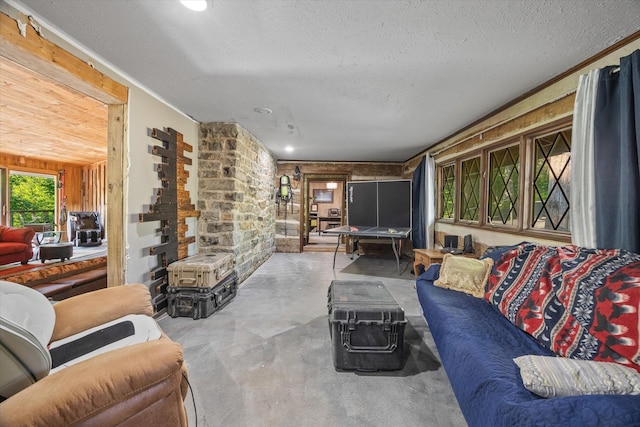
(200, 302)
(366, 326)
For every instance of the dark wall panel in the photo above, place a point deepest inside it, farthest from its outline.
(379, 203)
(394, 204)
(362, 203)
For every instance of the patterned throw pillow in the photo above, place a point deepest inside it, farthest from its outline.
(464, 274)
(549, 376)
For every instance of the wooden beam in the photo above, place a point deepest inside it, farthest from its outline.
(35, 52)
(116, 169)
(560, 108)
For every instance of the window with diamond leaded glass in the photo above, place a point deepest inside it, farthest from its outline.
(504, 180)
(447, 191)
(551, 181)
(470, 189)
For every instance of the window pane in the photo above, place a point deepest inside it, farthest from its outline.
(470, 194)
(504, 178)
(447, 192)
(551, 182)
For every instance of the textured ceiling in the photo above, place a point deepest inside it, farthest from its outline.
(346, 80)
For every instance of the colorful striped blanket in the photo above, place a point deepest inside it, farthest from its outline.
(579, 303)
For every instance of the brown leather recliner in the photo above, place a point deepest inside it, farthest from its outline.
(138, 385)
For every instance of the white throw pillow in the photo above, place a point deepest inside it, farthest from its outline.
(549, 376)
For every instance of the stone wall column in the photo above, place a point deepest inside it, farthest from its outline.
(235, 195)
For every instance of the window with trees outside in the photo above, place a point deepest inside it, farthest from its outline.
(447, 191)
(32, 199)
(494, 191)
(551, 184)
(470, 189)
(504, 185)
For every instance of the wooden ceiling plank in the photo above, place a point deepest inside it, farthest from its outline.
(38, 116)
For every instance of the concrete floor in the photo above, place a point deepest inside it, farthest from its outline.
(266, 358)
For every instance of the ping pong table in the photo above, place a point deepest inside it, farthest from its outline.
(395, 234)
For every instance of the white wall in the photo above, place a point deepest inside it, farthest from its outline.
(146, 113)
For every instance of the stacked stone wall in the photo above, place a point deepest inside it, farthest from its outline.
(235, 195)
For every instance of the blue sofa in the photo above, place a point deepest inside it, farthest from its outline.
(477, 345)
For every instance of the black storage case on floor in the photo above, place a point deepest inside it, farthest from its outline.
(366, 326)
(200, 302)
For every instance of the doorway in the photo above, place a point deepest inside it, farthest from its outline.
(323, 208)
(38, 55)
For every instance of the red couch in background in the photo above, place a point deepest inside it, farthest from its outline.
(16, 244)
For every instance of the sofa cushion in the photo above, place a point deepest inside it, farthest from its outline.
(559, 376)
(12, 247)
(20, 235)
(464, 274)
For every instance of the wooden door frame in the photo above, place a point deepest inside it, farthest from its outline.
(44, 57)
(304, 196)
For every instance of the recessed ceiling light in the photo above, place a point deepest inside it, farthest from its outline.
(288, 148)
(263, 110)
(197, 5)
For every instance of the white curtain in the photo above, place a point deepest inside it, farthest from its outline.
(430, 200)
(583, 208)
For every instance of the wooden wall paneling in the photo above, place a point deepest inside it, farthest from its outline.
(73, 188)
(94, 189)
(95, 186)
(560, 108)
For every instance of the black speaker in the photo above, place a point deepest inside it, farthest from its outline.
(451, 242)
(468, 244)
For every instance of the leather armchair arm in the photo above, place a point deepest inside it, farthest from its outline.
(79, 313)
(136, 385)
